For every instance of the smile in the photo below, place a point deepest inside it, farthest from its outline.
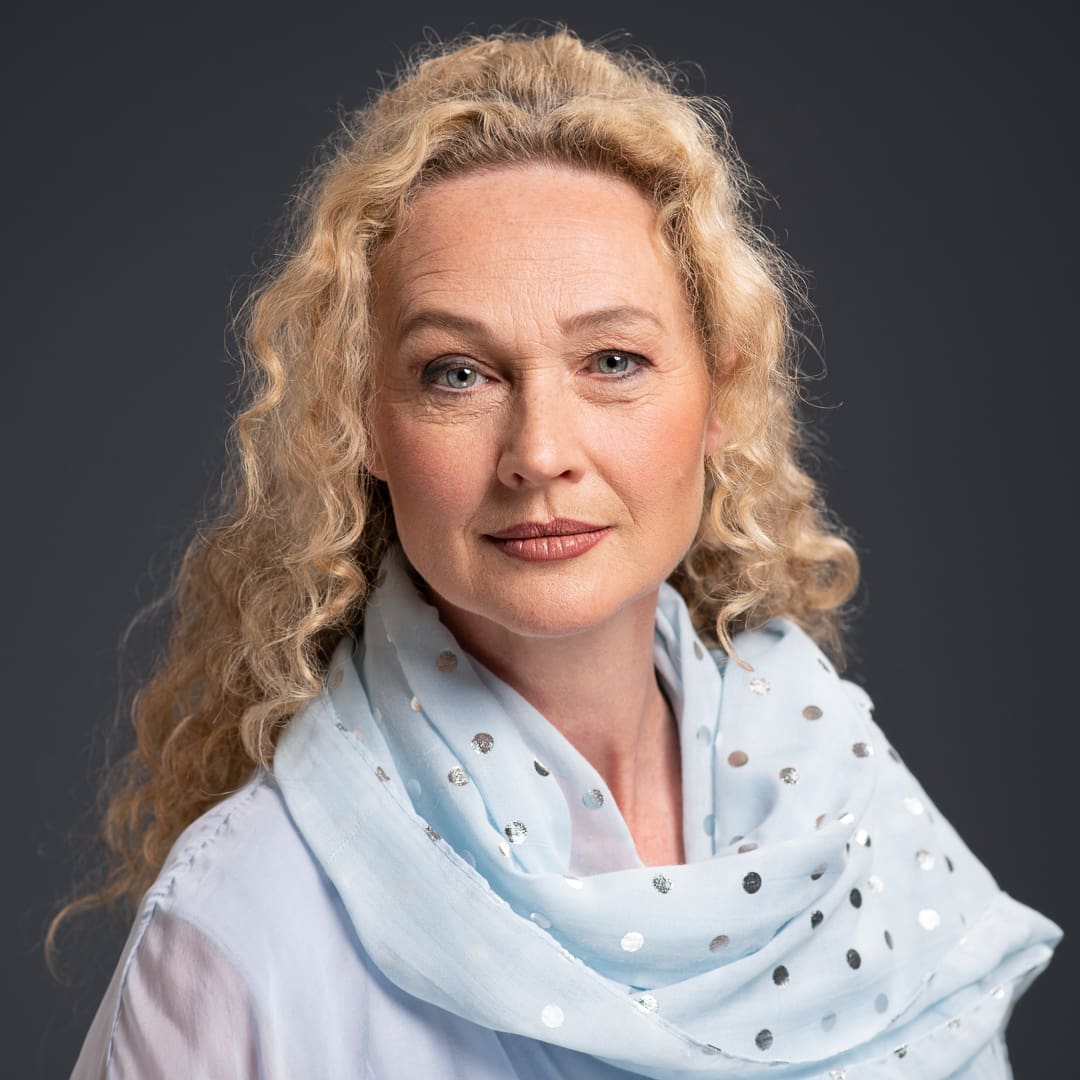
(548, 541)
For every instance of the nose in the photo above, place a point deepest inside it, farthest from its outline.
(543, 438)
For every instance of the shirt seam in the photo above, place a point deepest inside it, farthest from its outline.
(152, 902)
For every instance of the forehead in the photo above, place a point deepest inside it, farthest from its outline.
(550, 238)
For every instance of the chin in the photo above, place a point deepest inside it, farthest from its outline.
(557, 610)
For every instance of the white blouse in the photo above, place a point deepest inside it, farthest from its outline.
(242, 963)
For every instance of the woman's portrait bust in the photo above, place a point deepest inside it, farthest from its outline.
(506, 724)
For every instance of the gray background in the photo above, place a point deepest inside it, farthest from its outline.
(921, 162)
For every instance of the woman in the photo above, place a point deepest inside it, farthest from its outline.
(496, 737)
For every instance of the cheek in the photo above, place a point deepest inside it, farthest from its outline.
(666, 468)
(434, 474)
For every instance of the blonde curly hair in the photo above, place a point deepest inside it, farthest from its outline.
(264, 592)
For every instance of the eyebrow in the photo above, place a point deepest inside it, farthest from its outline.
(600, 319)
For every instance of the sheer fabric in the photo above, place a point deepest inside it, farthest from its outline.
(353, 916)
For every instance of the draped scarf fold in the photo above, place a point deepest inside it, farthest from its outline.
(828, 920)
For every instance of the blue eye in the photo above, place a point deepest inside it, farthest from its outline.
(617, 363)
(452, 377)
(459, 378)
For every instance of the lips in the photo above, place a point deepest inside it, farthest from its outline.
(529, 530)
(548, 541)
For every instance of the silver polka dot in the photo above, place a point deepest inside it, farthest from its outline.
(748, 846)
(881, 1002)
(709, 824)
(593, 798)
(414, 788)
(913, 806)
(812, 712)
(855, 897)
(875, 884)
(828, 1021)
(862, 837)
(457, 777)
(380, 772)
(708, 1048)
(718, 942)
(698, 651)
(504, 848)
(924, 859)
(737, 758)
(446, 660)
(893, 754)
(780, 975)
(818, 871)
(516, 832)
(861, 749)
(339, 725)
(662, 883)
(647, 1003)
(541, 920)
(751, 882)
(888, 939)
(482, 742)
(432, 834)
(540, 769)
(763, 1039)
(552, 1016)
(573, 882)
(900, 1051)
(998, 992)
(789, 774)
(815, 919)
(846, 818)
(415, 705)
(838, 1074)
(704, 734)
(759, 685)
(929, 919)
(632, 941)
(335, 679)
(954, 1023)
(853, 958)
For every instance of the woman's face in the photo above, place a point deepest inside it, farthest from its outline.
(543, 407)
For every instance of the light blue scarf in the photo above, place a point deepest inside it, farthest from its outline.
(828, 922)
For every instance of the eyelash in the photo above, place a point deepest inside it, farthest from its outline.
(433, 373)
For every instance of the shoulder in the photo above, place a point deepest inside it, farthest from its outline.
(787, 651)
(238, 911)
(240, 959)
(244, 877)
(243, 861)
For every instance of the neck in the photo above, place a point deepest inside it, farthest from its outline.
(599, 689)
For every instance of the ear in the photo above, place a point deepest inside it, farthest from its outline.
(715, 435)
(373, 461)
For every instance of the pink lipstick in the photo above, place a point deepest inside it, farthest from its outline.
(548, 541)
